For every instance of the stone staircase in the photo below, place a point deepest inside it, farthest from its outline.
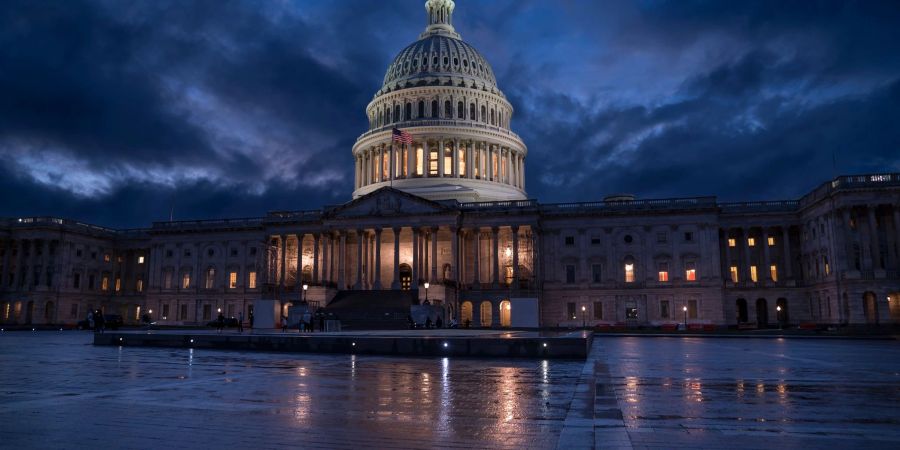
(372, 310)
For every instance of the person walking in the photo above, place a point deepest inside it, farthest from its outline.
(241, 322)
(283, 324)
(99, 321)
(220, 323)
(307, 321)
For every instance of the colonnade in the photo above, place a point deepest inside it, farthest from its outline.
(741, 237)
(441, 158)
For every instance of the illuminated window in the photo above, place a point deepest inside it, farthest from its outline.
(232, 280)
(773, 272)
(210, 278)
(751, 242)
(433, 162)
(734, 274)
(251, 282)
(771, 241)
(385, 166)
(167, 279)
(827, 267)
(118, 284)
(629, 273)
(140, 259)
(753, 274)
(420, 161)
(106, 257)
(462, 162)
(731, 242)
(690, 272)
(104, 283)
(495, 168)
(404, 162)
(663, 272)
(139, 285)
(448, 161)
(186, 280)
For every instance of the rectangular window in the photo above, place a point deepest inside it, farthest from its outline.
(104, 284)
(690, 272)
(187, 252)
(118, 284)
(165, 311)
(570, 311)
(664, 309)
(106, 257)
(433, 162)
(661, 237)
(385, 166)
(476, 152)
(771, 241)
(182, 314)
(186, 280)
(828, 268)
(167, 279)
(570, 274)
(73, 313)
(692, 309)
(688, 236)
(210, 278)
(420, 161)
(448, 161)
(596, 273)
(629, 273)
(731, 242)
(207, 312)
(140, 259)
(76, 280)
(753, 274)
(734, 274)
(663, 272)
(232, 280)
(139, 285)
(773, 272)
(631, 312)
(462, 162)
(90, 282)
(598, 310)
(251, 280)
(231, 310)
(570, 241)
(596, 240)
(494, 166)
(751, 242)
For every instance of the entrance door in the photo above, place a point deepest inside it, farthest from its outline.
(505, 314)
(742, 315)
(870, 307)
(762, 313)
(405, 277)
(29, 312)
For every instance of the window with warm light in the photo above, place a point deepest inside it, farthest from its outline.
(433, 162)
(734, 274)
(104, 283)
(118, 284)
(232, 280)
(732, 242)
(753, 277)
(461, 170)
(251, 281)
(106, 257)
(773, 272)
(751, 242)
(186, 280)
(629, 273)
(690, 272)
(827, 267)
(771, 241)
(420, 161)
(663, 272)
(140, 259)
(448, 161)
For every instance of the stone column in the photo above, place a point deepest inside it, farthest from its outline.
(395, 284)
(434, 258)
(896, 209)
(315, 274)
(342, 259)
(490, 162)
(325, 272)
(377, 262)
(874, 238)
(455, 171)
(746, 248)
(495, 237)
(515, 255)
(476, 261)
(454, 248)
(359, 256)
(7, 255)
(415, 257)
(470, 162)
(283, 258)
(440, 144)
(727, 255)
(786, 243)
(768, 262)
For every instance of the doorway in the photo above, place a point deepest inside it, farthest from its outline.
(742, 315)
(505, 314)
(762, 313)
(870, 306)
(405, 277)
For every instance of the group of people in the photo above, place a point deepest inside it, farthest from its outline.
(438, 323)
(96, 321)
(306, 323)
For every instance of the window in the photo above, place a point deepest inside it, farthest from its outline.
(140, 259)
(664, 309)
(165, 311)
(661, 237)
(570, 241)
(407, 113)
(751, 242)
(252, 251)
(631, 312)
(771, 241)
(472, 111)
(119, 259)
(570, 311)
(420, 161)
(734, 274)
(182, 313)
(104, 283)
(570, 274)
(210, 278)
(234, 252)
(93, 255)
(629, 273)
(596, 240)
(167, 279)
(628, 239)
(596, 273)
(73, 313)
(461, 170)
(448, 161)
(78, 253)
(169, 253)
(663, 272)
(76, 280)
(731, 242)
(434, 109)
(139, 285)
(210, 252)
(827, 267)
(118, 284)
(753, 274)
(90, 282)
(460, 109)
(251, 280)
(692, 309)
(187, 252)
(106, 257)
(186, 280)
(773, 272)
(232, 280)
(448, 110)
(421, 110)
(688, 236)
(690, 271)
(433, 162)
(207, 312)
(598, 310)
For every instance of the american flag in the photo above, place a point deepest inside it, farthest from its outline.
(402, 136)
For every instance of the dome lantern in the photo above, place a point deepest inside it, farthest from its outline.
(440, 19)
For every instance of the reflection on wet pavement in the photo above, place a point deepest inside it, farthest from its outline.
(60, 391)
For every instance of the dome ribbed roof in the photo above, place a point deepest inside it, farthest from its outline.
(438, 59)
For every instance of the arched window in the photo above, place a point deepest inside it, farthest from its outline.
(434, 109)
(483, 114)
(493, 117)
(396, 113)
(448, 110)
(407, 115)
(460, 110)
(210, 277)
(421, 109)
(381, 118)
(472, 112)
(500, 119)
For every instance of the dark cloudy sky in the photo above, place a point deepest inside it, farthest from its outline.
(110, 109)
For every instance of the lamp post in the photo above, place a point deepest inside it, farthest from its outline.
(305, 288)
(684, 308)
(426, 292)
(778, 313)
(583, 323)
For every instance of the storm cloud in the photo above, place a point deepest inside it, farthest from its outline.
(116, 112)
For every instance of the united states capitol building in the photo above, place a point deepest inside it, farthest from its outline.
(450, 211)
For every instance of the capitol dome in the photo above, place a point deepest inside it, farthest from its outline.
(442, 97)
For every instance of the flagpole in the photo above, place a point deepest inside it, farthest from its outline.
(392, 163)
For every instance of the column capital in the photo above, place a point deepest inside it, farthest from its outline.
(396, 229)
(514, 228)
(378, 230)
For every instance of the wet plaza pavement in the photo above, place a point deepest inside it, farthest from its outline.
(58, 391)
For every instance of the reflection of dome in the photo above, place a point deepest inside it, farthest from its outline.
(439, 60)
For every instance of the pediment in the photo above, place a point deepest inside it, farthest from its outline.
(386, 202)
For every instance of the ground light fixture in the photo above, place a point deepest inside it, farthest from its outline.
(446, 345)
(545, 344)
(583, 322)
(684, 308)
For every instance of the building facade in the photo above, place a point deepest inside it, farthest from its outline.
(444, 216)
